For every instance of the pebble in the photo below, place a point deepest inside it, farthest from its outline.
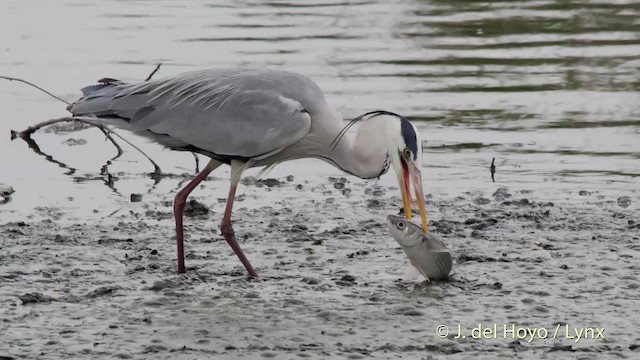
(135, 197)
(35, 298)
(501, 194)
(74, 142)
(101, 291)
(311, 280)
(624, 201)
(269, 182)
(194, 208)
(413, 312)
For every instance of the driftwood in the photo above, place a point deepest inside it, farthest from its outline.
(492, 168)
(26, 134)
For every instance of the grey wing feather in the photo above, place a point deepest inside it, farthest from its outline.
(229, 112)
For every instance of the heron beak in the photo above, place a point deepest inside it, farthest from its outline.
(411, 173)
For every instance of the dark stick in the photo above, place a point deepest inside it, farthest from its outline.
(492, 168)
(35, 86)
(30, 130)
(153, 72)
(195, 156)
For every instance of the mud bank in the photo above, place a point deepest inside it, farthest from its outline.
(330, 277)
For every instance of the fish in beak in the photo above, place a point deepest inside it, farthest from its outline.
(411, 173)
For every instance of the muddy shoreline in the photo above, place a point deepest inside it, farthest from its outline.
(330, 282)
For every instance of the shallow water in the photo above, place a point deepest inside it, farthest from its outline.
(547, 88)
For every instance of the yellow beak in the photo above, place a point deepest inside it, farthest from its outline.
(410, 173)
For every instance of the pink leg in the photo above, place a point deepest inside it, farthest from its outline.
(178, 207)
(229, 235)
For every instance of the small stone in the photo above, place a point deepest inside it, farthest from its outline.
(584, 193)
(74, 142)
(481, 201)
(136, 197)
(101, 291)
(310, 280)
(194, 208)
(540, 308)
(413, 312)
(269, 182)
(501, 194)
(338, 185)
(161, 285)
(348, 278)
(624, 201)
(123, 356)
(35, 298)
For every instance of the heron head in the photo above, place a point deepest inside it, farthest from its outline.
(405, 154)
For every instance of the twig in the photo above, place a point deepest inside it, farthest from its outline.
(195, 156)
(30, 130)
(153, 72)
(87, 120)
(106, 133)
(492, 168)
(32, 145)
(35, 86)
(157, 171)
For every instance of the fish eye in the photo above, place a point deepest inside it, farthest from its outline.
(400, 225)
(406, 152)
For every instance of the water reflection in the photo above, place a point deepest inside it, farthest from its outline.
(517, 80)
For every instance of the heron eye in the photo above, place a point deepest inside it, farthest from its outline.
(406, 152)
(400, 225)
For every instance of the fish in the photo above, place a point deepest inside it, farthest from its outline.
(425, 252)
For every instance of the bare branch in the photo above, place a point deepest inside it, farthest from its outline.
(35, 86)
(87, 120)
(492, 168)
(108, 135)
(195, 156)
(30, 130)
(153, 72)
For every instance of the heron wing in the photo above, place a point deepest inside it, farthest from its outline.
(235, 113)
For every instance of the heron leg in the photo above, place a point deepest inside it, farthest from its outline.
(178, 208)
(237, 167)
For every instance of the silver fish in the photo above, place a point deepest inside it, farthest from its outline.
(426, 252)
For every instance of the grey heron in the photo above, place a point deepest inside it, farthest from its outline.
(255, 117)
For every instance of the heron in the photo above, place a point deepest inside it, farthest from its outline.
(248, 118)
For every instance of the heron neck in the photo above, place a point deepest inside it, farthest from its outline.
(365, 155)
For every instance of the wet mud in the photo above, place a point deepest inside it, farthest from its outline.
(330, 277)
